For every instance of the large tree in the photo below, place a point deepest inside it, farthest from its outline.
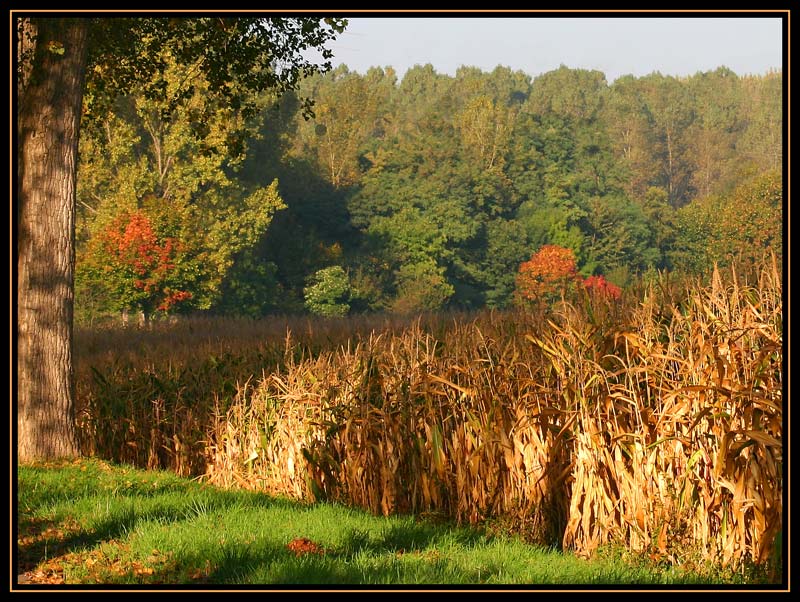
(182, 173)
(75, 65)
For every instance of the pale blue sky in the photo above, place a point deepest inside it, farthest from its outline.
(536, 44)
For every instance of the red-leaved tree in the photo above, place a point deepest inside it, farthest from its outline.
(552, 273)
(136, 267)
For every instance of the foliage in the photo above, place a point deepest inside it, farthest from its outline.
(740, 226)
(168, 110)
(237, 54)
(250, 287)
(421, 287)
(328, 292)
(547, 275)
(435, 188)
(601, 288)
(506, 248)
(139, 156)
(137, 264)
(348, 111)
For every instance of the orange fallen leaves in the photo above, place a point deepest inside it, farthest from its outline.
(100, 565)
(302, 546)
(41, 578)
(35, 531)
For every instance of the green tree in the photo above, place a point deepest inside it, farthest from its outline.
(328, 292)
(618, 236)
(631, 128)
(740, 226)
(421, 286)
(348, 111)
(761, 141)
(660, 218)
(485, 125)
(250, 288)
(55, 57)
(713, 138)
(575, 94)
(505, 248)
(421, 201)
(672, 111)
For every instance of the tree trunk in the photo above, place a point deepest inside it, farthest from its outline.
(48, 120)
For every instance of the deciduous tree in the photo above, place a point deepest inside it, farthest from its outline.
(328, 292)
(548, 274)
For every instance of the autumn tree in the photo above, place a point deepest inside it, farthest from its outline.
(547, 275)
(600, 288)
(138, 262)
(63, 61)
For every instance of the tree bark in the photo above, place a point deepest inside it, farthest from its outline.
(48, 118)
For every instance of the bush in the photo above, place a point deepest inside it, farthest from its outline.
(328, 292)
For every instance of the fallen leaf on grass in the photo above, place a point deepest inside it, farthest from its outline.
(302, 546)
(201, 574)
(41, 577)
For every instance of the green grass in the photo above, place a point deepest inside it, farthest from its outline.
(92, 522)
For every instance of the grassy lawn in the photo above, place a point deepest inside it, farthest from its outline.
(91, 522)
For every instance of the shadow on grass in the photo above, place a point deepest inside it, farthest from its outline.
(400, 553)
(42, 539)
(410, 536)
(403, 551)
(359, 558)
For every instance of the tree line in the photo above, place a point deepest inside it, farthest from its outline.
(421, 192)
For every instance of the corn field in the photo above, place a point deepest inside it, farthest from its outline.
(656, 423)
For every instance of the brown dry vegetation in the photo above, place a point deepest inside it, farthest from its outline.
(656, 423)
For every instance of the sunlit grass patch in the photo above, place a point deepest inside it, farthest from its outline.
(92, 522)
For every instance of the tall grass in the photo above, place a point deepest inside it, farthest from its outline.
(656, 423)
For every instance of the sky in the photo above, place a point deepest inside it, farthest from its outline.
(536, 44)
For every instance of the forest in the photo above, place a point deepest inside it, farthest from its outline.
(418, 193)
